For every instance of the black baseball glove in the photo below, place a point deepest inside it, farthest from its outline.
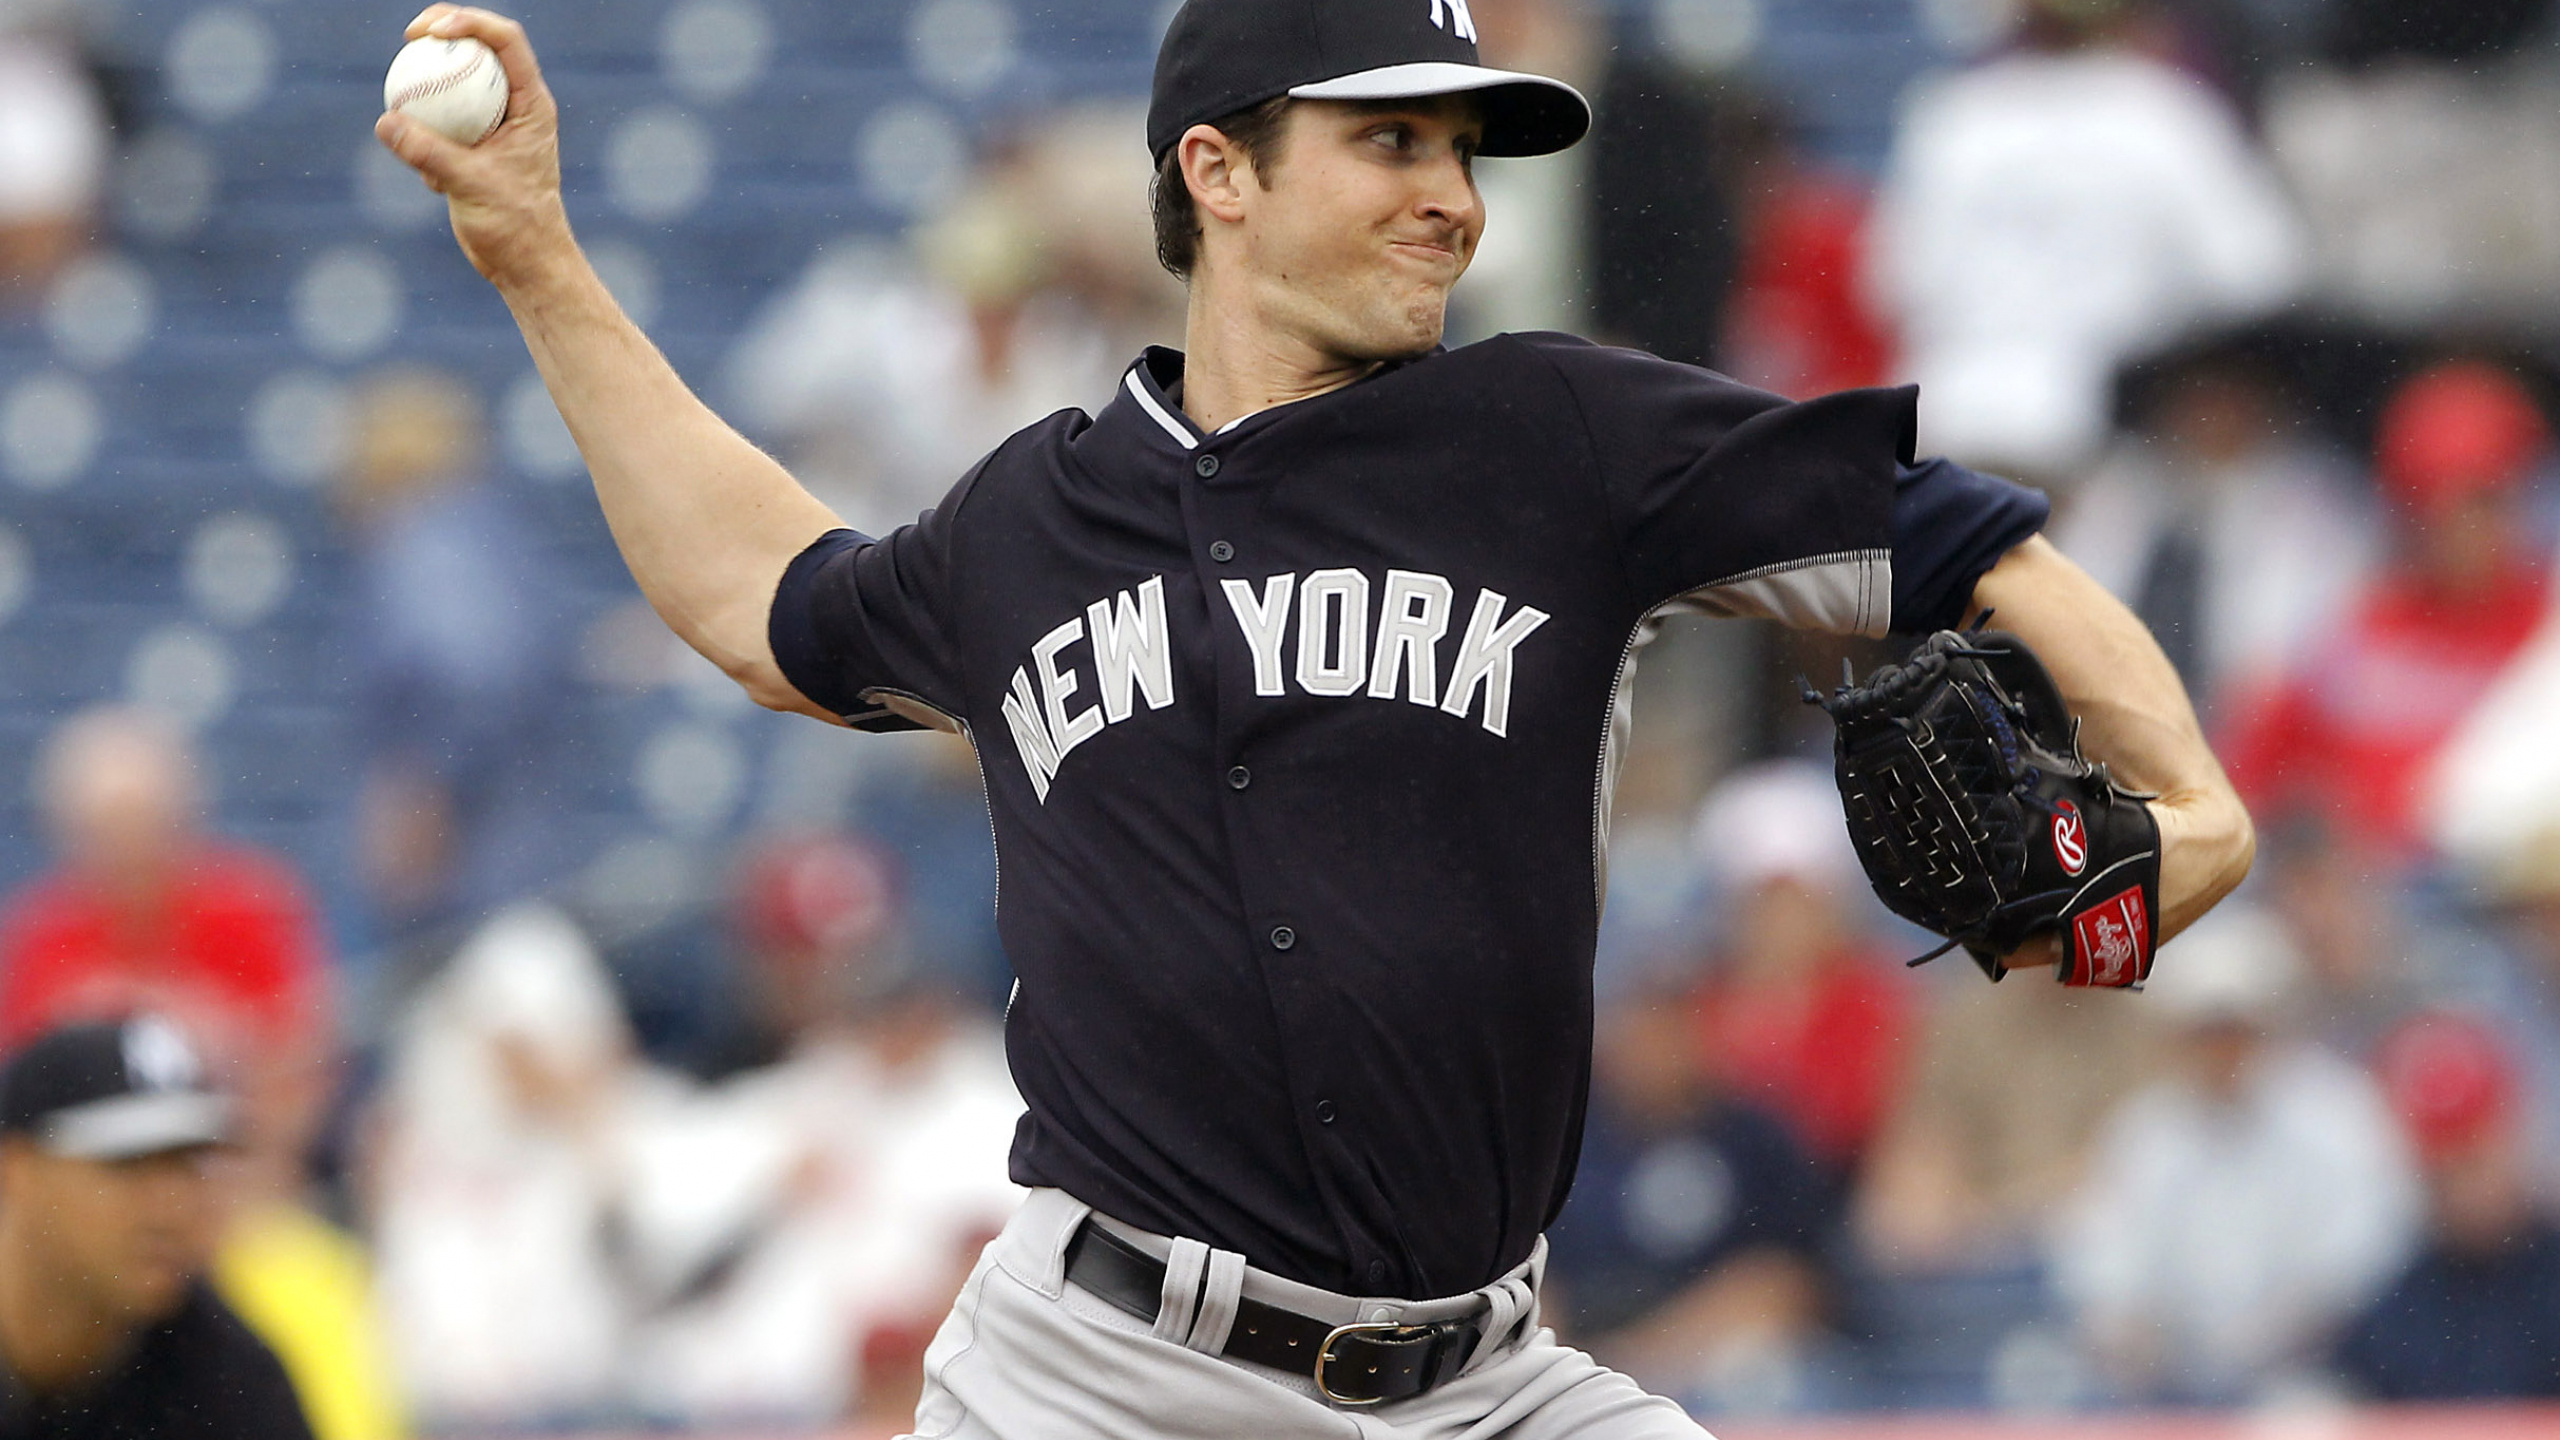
(1976, 816)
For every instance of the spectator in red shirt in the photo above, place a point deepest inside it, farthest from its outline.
(1801, 1013)
(147, 911)
(2356, 728)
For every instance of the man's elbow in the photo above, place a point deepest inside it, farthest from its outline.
(766, 685)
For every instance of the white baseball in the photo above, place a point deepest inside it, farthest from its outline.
(456, 88)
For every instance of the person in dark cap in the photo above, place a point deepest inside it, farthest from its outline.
(108, 1215)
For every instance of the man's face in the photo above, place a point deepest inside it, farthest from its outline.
(1370, 217)
(120, 1238)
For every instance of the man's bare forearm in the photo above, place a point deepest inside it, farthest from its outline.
(706, 521)
(2134, 716)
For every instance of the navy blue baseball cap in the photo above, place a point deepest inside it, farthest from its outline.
(1222, 56)
(113, 1092)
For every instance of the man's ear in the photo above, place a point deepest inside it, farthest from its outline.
(1217, 170)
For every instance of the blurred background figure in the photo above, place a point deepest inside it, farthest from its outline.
(494, 1182)
(148, 910)
(882, 378)
(2351, 733)
(53, 146)
(2476, 1315)
(803, 1225)
(1690, 1254)
(2232, 532)
(1801, 1011)
(2244, 1205)
(1963, 1178)
(2052, 212)
(456, 639)
(110, 1203)
(145, 908)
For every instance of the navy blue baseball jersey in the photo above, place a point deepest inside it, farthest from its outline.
(1299, 738)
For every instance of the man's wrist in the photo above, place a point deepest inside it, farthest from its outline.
(542, 254)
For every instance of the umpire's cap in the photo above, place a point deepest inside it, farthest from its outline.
(113, 1092)
(1222, 56)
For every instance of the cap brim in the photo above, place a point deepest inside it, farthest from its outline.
(126, 1127)
(1524, 114)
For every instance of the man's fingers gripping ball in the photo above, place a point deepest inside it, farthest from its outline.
(456, 88)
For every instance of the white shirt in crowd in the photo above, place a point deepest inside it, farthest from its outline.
(2227, 1239)
(2044, 217)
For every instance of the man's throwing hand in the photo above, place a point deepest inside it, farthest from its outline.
(504, 193)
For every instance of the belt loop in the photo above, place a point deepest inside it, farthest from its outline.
(1186, 1266)
(1511, 1303)
(1219, 1297)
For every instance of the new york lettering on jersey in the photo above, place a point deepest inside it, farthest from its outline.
(1130, 652)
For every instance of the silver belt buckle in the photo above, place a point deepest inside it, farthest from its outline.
(1325, 1355)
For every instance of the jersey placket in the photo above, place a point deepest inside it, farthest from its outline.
(1221, 504)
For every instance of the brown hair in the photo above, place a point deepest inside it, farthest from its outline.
(1255, 132)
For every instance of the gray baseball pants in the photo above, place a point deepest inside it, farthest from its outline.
(1027, 1356)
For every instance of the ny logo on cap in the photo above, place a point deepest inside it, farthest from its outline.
(157, 1057)
(1443, 11)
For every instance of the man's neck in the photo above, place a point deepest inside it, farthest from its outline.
(49, 1342)
(1237, 362)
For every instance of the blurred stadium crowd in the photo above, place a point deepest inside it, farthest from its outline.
(612, 1053)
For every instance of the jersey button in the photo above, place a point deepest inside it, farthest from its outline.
(1324, 1112)
(1378, 1272)
(1238, 778)
(1206, 466)
(1221, 551)
(1282, 937)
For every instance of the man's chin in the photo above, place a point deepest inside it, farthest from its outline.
(1411, 334)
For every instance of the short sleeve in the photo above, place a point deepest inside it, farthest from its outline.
(856, 620)
(1950, 525)
(1737, 501)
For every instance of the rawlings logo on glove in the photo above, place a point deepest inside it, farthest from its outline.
(1976, 816)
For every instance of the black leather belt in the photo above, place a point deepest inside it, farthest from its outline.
(1357, 1364)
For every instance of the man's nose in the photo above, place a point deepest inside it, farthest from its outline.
(1449, 195)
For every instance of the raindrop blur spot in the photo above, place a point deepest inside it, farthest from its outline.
(101, 311)
(220, 64)
(182, 672)
(49, 431)
(690, 777)
(962, 47)
(298, 427)
(238, 568)
(715, 50)
(658, 164)
(348, 304)
(167, 183)
(910, 157)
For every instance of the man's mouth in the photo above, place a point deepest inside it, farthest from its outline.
(1434, 252)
